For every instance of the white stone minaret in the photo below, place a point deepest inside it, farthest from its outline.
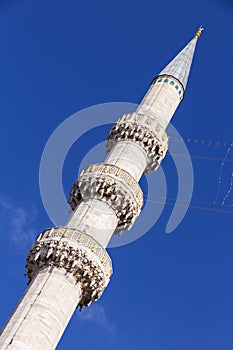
(68, 266)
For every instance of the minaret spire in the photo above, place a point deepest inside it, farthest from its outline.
(179, 67)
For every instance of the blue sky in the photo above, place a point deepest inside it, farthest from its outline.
(57, 57)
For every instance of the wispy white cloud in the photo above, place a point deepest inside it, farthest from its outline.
(17, 221)
(97, 314)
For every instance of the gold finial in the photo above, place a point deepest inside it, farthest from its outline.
(198, 33)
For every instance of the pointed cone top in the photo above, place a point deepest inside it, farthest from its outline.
(179, 67)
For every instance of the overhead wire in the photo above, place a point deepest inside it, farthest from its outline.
(229, 190)
(151, 199)
(192, 206)
(203, 205)
(220, 174)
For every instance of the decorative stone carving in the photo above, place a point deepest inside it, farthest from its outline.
(78, 254)
(145, 131)
(112, 185)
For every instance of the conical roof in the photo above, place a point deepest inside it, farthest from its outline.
(179, 67)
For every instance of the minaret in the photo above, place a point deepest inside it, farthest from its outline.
(68, 266)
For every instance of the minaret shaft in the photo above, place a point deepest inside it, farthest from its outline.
(162, 99)
(43, 313)
(130, 157)
(95, 218)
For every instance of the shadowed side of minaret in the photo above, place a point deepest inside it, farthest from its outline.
(68, 266)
